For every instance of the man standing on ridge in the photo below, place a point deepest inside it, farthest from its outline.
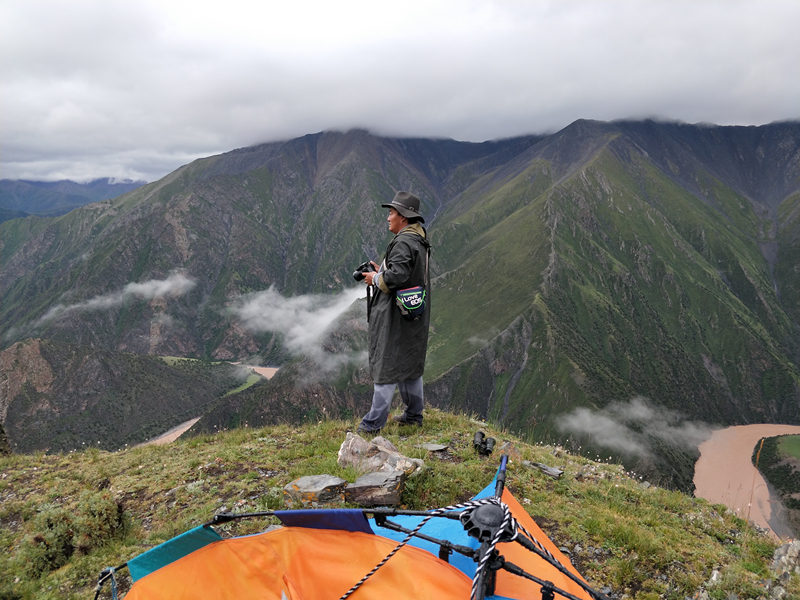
(398, 340)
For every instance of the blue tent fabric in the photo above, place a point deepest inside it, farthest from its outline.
(171, 550)
(443, 529)
(343, 519)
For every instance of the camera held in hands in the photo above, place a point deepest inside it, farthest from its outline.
(361, 269)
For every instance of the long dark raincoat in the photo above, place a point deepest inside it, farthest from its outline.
(397, 347)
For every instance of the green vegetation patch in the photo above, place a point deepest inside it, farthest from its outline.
(789, 446)
(778, 459)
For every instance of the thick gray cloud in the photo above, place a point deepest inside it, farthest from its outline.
(135, 89)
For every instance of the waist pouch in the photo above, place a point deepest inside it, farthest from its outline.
(411, 302)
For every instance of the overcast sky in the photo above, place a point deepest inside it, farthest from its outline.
(136, 88)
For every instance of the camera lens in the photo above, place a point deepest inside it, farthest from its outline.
(361, 269)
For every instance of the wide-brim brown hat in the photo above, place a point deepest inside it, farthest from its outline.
(406, 204)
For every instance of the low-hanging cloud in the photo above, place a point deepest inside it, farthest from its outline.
(177, 284)
(627, 427)
(302, 321)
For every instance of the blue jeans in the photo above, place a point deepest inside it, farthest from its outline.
(410, 392)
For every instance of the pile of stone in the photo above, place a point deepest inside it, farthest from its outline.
(383, 470)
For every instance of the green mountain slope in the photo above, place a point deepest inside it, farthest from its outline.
(633, 286)
(580, 270)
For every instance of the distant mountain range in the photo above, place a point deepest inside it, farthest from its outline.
(609, 283)
(19, 198)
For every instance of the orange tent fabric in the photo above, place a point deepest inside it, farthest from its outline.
(303, 564)
(513, 586)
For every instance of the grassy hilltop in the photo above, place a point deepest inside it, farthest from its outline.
(64, 517)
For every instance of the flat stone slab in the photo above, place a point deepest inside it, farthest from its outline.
(553, 472)
(380, 488)
(434, 447)
(312, 489)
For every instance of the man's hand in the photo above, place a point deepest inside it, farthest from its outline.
(369, 276)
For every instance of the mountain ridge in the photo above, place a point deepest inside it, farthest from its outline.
(603, 262)
(23, 197)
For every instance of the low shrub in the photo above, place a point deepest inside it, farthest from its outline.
(56, 532)
(50, 545)
(99, 519)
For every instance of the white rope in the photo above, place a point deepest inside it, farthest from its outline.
(411, 534)
(508, 519)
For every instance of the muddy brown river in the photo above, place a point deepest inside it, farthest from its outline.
(725, 474)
